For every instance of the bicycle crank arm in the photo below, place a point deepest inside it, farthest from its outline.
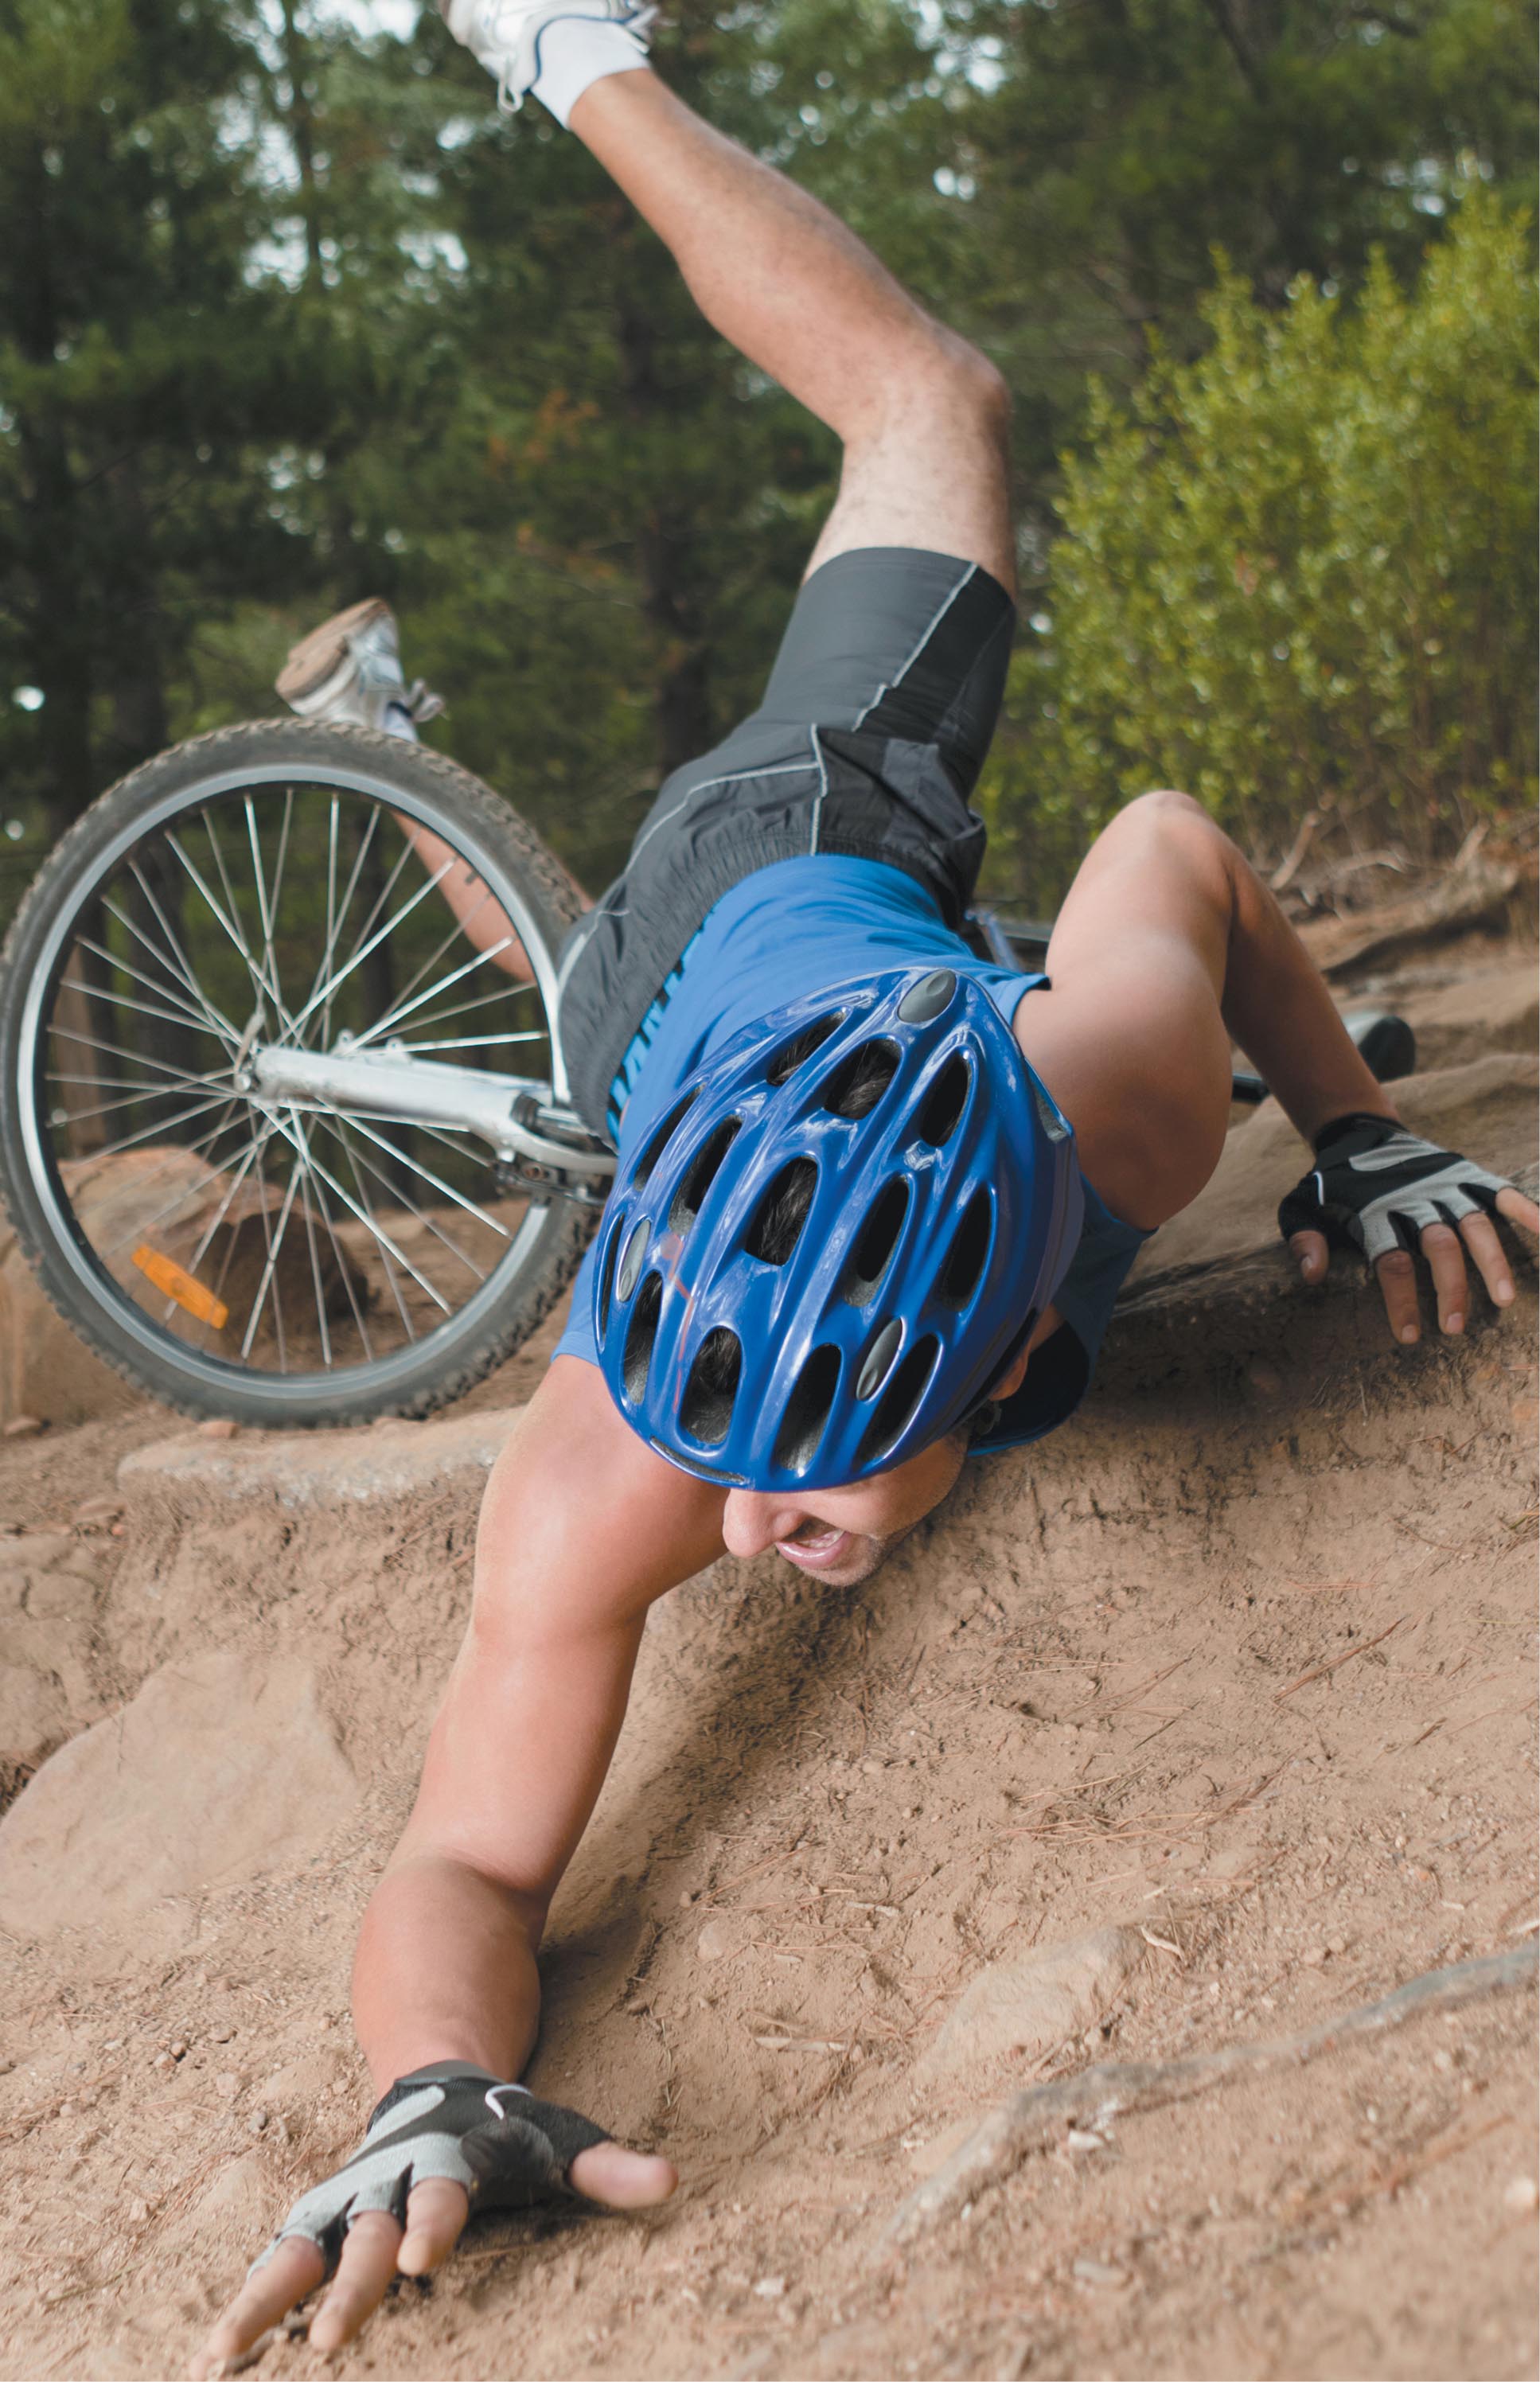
(543, 1145)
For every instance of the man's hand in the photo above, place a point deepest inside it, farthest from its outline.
(1379, 1189)
(444, 2140)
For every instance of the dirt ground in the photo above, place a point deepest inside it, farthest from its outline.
(1209, 1720)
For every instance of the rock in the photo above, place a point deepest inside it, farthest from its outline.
(1024, 2008)
(24, 1426)
(217, 1427)
(1523, 2195)
(1098, 2275)
(219, 1769)
(316, 1469)
(48, 1686)
(718, 1940)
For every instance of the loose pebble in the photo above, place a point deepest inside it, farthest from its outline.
(24, 1427)
(1523, 2195)
(217, 1427)
(259, 2121)
(178, 2050)
(1098, 2275)
(227, 2084)
(770, 2287)
(97, 1510)
(716, 1940)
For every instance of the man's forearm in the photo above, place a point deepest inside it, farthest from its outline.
(1277, 1008)
(445, 1969)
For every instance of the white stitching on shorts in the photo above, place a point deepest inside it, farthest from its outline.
(930, 630)
(818, 797)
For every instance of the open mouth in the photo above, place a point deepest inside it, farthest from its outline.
(814, 1549)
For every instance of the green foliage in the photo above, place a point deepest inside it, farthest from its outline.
(289, 314)
(1298, 572)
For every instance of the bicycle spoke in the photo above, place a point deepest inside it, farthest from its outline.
(186, 1015)
(482, 1001)
(471, 1042)
(215, 1017)
(428, 1176)
(267, 1241)
(161, 1066)
(334, 929)
(266, 912)
(309, 1215)
(269, 1271)
(123, 1000)
(231, 929)
(344, 1266)
(359, 957)
(163, 1125)
(460, 930)
(382, 1236)
(405, 1008)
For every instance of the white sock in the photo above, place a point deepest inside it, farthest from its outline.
(577, 51)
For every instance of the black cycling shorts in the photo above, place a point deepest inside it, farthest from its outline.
(874, 727)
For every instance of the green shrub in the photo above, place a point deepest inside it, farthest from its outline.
(1298, 572)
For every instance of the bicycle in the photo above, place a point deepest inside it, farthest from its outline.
(258, 1135)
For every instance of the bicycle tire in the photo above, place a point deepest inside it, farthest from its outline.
(447, 800)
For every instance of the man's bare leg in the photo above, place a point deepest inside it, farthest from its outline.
(923, 416)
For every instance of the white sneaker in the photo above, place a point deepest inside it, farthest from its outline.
(348, 671)
(505, 34)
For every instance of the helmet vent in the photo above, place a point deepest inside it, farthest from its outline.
(876, 1242)
(859, 1081)
(690, 1197)
(807, 1410)
(781, 1214)
(790, 1057)
(706, 1409)
(945, 1100)
(662, 1137)
(900, 1400)
(607, 1275)
(970, 1248)
(640, 1335)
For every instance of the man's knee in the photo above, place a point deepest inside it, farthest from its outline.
(1164, 802)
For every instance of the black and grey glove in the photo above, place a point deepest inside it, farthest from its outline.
(507, 2149)
(1377, 1187)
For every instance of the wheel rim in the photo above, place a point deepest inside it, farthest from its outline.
(282, 1253)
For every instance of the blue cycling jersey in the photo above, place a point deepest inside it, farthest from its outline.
(811, 923)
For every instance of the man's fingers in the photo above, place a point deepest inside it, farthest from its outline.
(1517, 1209)
(621, 2178)
(1481, 1238)
(435, 2214)
(1397, 1280)
(1309, 1250)
(294, 2268)
(364, 2275)
(1444, 1253)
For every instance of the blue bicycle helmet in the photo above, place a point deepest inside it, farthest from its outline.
(836, 1241)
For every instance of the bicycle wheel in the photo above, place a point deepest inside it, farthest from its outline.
(281, 1264)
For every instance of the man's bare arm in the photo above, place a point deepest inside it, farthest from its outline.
(582, 1529)
(1168, 947)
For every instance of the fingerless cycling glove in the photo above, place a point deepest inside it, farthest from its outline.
(507, 2148)
(1377, 1187)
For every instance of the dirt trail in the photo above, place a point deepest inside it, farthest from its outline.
(1208, 1721)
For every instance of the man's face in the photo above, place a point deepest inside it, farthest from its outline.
(841, 1535)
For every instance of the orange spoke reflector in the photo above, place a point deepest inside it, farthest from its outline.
(184, 1287)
